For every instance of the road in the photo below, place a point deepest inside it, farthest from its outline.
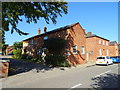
(80, 77)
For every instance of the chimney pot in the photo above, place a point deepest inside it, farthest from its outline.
(89, 33)
(45, 29)
(39, 31)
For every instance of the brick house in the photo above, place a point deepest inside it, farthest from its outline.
(119, 50)
(9, 50)
(114, 51)
(96, 46)
(76, 47)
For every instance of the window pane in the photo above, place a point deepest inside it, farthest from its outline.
(83, 49)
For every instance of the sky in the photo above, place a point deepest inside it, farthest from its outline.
(100, 18)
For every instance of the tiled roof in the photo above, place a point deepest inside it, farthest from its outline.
(94, 35)
(52, 31)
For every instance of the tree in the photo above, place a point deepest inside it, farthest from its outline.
(56, 46)
(18, 45)
(32, 11)
(3, 46)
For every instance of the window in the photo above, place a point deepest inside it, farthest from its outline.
(67, 52)
(32, 42)
(82, 50)
(74, 49)
(100, 51)
(106, 43)
(100, 57)
(99, 41)
(46, 37)
(103, 43)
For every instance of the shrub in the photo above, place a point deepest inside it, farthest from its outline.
(17, 54)
(56, 46)
(29, 57)
(56, 60)
(24, 56)
(36, 60)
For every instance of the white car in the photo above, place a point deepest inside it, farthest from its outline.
(105, 60)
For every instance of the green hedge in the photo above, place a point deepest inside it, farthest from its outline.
(56, 60)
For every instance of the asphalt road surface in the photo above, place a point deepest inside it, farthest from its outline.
(86, 77)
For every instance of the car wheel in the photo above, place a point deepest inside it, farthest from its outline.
(107, 64)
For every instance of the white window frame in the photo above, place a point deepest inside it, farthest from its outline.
(106, 43)
(75, 49)
(82, 50)
(99, 41)
(103, 42)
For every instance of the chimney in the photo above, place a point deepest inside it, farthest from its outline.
(45, 29)
(39, 31)
(89, 33)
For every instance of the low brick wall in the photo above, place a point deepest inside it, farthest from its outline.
(4, 66)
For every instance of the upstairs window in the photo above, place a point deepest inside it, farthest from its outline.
(99, 41)
(106, 43)
(82, 50)
(32, 42)
(46, 37)
(103, 43)
(74, 49)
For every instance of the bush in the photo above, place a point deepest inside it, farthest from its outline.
(56, 46)
(36, 60)
(56, 60)
(17, 54)
(24, 56)
(29, 57)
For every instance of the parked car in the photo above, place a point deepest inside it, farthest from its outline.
(115, 59)
(104, 60)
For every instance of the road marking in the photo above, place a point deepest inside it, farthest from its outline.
(75, 86)
(102, 73)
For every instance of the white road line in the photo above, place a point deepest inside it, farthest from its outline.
(75, 86)
(102, 73)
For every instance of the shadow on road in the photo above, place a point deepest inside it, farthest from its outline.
(106, 81)
(19, 66)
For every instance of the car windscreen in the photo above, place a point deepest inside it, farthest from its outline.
(100, 57)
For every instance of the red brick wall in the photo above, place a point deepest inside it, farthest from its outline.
(77, 37)
(92, 44)
(114, 50)
(4, 66)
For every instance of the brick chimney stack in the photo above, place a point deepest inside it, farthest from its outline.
(45, 29)
(39, 31)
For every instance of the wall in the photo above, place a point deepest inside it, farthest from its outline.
(76, 37)
(114, 50)
(93, 47)
(4, 66)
